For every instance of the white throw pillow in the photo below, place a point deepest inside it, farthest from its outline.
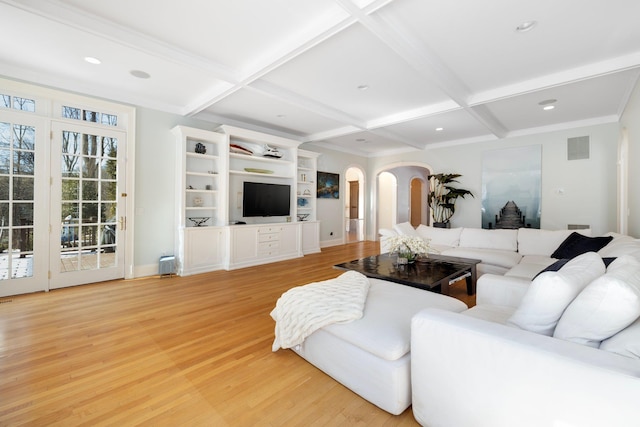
(506, 240)
(551, 292)
(605, 307)
(440, 236)
(405, 229)
(626, 342)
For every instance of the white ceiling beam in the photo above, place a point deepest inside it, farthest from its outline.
(573, 75)
(279, 59)
(300, 101)
(425, 61)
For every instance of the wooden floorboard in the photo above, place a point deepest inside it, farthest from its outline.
(180, 351)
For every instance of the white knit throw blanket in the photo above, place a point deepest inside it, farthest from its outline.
(302, 310)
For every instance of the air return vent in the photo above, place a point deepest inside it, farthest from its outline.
(578, 227)
(578, 148)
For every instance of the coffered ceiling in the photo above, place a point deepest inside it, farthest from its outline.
(362, 76)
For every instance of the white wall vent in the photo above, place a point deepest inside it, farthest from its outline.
(578, 148)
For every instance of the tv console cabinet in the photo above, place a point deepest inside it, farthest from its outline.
(211, 170)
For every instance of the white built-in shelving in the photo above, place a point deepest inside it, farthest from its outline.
(211, 171)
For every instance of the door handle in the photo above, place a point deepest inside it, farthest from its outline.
(123, 223)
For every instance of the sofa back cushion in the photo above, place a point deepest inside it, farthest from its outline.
(440, 236)
(621, 245)
(551, 292)
(405, 229)
(605, 307)
(506, 240)
(533, 241)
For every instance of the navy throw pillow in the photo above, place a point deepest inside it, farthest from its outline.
(578, 244)
(555, 266)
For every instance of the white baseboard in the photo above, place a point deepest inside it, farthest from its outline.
(145, 270)
(334, 242)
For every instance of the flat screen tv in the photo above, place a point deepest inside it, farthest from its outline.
(262, 199)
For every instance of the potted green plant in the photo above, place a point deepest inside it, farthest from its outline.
(442, 197)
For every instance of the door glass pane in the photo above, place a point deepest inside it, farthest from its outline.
(89, 203)
(17, 167)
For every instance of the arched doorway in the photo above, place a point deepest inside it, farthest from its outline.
(354, 212)
(418, 202)
(387, 200)
(406, 199)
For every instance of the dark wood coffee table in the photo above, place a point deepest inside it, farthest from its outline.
(434, 273)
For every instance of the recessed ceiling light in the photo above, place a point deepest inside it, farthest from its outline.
(526, 26)
(92, 60)
(280, 116)
(548, 101)
(439, 129)
(360, 140)
(548, 107)
(140, 74)
(363, 87)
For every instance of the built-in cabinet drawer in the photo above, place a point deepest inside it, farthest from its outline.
(261, 244)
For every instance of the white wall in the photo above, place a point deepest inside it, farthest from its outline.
(587, 185)
(155, 169)
(330, 212)
(631, 122)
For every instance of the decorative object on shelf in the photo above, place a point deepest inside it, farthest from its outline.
(271, 152)
(408, 248)
(303, 202)
(190, 187)
(239, 149)
(303, 177)
(212, 172)
(199, 221)
(328, 185)
(442, 197)
(198, 201)
(303, 217)
(306, 192)
(200, 148)
(256, 170)
(207, 187)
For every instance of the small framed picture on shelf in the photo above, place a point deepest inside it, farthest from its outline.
(328, 185)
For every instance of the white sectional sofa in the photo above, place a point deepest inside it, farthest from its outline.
(520, 253)
(491, 365)
(535, 353)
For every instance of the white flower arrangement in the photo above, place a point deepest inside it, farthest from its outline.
(409, 245)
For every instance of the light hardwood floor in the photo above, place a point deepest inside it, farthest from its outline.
(181, 351)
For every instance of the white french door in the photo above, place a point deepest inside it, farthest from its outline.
(24, 215)
(88, 204)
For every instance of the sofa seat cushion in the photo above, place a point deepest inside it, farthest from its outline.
(506, 240)
(439, 249)
(385, 328)
(490, 313)
(551, 292)
(500, 258)
(605, 307)
(530, 266)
